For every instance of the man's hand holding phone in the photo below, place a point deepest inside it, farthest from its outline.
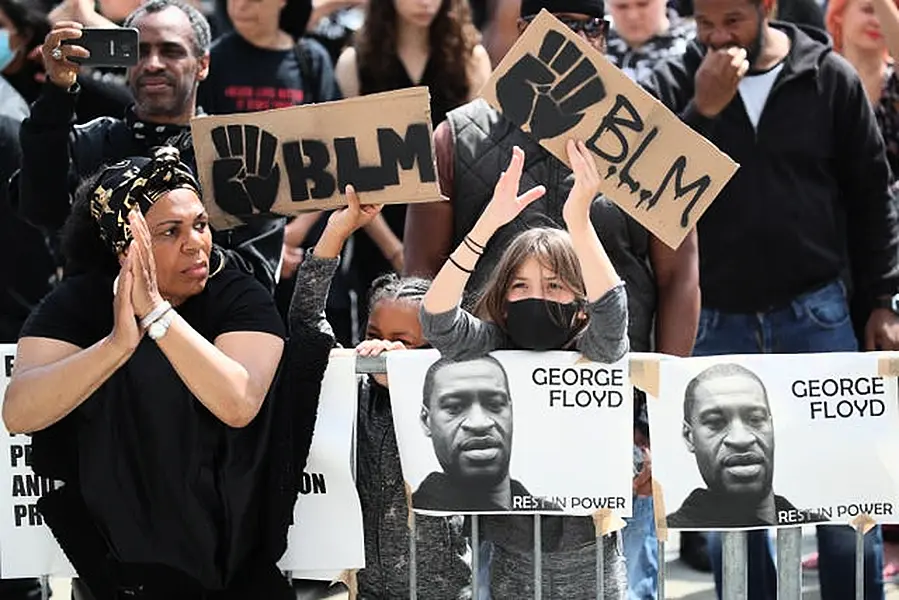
(60, 70)
(718, 78)
(70, 44)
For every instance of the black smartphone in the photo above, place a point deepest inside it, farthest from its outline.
(112, 47)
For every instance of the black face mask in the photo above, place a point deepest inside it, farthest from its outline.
(537, 324)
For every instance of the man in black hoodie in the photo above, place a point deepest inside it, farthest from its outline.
(807, 217)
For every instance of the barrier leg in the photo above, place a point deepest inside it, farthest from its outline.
(45, 587)
(475, 557)
(600, 568)
(859, 564)
(662, 567)
(735, 570)
(413, 560)
(538, 559)
(789, 563)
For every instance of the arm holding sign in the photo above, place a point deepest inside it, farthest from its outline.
(310, 294)
(599, 274)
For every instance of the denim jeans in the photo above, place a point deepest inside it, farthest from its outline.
(641, 551)
(818, 321)
(485, 557)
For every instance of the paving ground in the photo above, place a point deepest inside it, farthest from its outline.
(683, 583)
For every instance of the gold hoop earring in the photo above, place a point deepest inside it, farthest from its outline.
(221, 264)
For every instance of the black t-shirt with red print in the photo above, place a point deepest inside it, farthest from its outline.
(246, 78)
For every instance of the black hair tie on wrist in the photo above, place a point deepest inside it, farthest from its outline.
(470, 245)
(468, 238)
(460, 267)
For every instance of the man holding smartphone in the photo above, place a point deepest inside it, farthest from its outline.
(170, 60)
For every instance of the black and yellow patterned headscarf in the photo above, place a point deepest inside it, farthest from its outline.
(136, 182)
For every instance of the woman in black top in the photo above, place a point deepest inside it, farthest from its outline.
(148, 395)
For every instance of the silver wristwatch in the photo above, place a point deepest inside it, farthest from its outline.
(160, 326)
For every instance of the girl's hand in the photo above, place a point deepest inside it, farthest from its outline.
(506, 204)
(126, 332)
(145, 294)
(376, 347)
(342, 223)
(587, 183)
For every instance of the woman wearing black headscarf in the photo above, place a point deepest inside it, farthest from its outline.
(150, 396)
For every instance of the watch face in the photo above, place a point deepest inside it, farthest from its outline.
(156, 330)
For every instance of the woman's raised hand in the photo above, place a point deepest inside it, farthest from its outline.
(145, 294)
(587, 184)
(126, 332)
(506, 204)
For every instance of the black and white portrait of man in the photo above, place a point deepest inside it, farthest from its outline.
(467, 414)
(728, 427)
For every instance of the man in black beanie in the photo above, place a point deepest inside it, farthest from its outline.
(473, 146)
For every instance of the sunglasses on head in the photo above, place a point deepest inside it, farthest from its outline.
(593, 27)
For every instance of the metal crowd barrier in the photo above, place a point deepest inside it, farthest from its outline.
(735, 575)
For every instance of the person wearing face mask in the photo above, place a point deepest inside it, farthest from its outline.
(12, 104)
(393, 324)
(550, 290)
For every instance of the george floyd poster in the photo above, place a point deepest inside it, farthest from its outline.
(513, 432)
(758, 441)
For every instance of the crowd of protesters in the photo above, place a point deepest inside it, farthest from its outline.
(169, 373)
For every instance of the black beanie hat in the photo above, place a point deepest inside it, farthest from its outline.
(594, 8)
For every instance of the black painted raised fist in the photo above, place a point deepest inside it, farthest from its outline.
(550, 91)
(246, 175)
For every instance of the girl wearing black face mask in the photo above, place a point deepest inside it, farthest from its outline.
(393, 324)
(551, 290)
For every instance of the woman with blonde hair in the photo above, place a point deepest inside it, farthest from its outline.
(866, 33)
